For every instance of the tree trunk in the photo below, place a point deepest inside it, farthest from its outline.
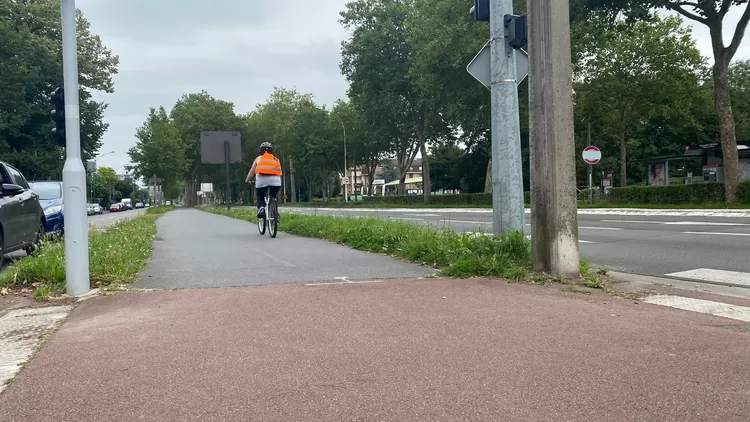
(426, 182)
(291, 180)
(723, 107)
(488, 178)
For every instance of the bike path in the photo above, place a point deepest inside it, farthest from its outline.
(196, 249)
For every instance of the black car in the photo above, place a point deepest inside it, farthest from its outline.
(22, 222)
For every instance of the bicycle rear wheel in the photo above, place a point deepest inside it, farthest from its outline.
(273, 211)
(262, 224)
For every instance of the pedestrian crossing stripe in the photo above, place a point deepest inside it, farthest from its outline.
(725, 310)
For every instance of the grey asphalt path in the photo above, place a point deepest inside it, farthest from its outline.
(200, 249)
(450, 350)
(649, 245)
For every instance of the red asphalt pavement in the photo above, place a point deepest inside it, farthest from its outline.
(391, 351)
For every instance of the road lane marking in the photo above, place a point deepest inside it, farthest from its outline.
(719, 233)
(740, 313)
(467, 222)
(528, 236)
(599, 228)
(715, 276)
(633, 221)
(702, 223)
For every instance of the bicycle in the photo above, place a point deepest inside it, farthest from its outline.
(270, 209)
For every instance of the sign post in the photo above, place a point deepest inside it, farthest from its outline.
(221, 147)
(591, 155)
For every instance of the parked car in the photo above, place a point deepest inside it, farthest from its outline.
(147, 205)
(139, 204)
(94, 209)
(116, 207)
(22, 223)
(51, 198)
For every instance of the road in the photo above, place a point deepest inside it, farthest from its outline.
(656, 245)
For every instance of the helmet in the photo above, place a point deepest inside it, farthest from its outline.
(266, 147)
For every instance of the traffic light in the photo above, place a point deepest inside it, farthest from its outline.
(58, 115)
(481, 10)
(515, 31)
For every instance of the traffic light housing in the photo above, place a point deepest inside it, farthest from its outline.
(480, 11)
(515, 31)
(58, 115)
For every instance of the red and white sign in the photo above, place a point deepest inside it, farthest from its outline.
(591, 155)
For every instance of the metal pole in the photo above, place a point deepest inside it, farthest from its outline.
(554, 219)
(346, 169)
(74, 174)
(507, 171)
(591, 167)
(226, 161)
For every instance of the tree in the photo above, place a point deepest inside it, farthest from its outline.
(710, 13)
(192, 114)
(637, 72)
(739, 81)
(386, 81)
(159, 152)
(30, 69)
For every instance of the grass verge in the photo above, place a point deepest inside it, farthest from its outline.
(116, 255)
(456, 255)
(581, 205)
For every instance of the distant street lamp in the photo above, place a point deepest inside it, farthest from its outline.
(93, 172)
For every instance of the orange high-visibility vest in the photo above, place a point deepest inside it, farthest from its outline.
(268, 165)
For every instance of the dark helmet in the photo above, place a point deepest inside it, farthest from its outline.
(266, 147)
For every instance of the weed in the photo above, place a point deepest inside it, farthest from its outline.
(593, 281)
(576, 290)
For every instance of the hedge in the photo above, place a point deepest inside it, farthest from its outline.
(696, 193)
(458, 199)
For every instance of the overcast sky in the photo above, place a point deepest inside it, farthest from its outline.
(237, 50)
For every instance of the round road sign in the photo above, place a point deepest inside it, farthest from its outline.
(591, 155)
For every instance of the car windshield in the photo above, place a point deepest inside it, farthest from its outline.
(47, 190)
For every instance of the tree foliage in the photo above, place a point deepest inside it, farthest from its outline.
(31, 69)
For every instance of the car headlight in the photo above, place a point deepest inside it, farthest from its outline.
(53, 210)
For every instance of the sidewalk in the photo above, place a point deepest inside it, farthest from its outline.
(391, 350)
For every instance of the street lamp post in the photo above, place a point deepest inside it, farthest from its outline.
(346, 169)
(93, 173)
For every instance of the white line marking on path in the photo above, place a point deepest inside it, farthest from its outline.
(467, 222)
(347, 282)
(716, 276)
(719, 233)
(20, 333)
(740, 313)
(702, 223)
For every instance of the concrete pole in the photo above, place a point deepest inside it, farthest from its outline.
(507, 171)
(74, 174)
(554, 220)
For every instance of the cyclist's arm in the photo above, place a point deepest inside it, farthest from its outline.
(251, 173)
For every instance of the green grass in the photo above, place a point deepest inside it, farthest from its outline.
(581, 205)
(116, 256)
(456, 255)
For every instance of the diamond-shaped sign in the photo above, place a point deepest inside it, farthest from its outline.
(480, 66)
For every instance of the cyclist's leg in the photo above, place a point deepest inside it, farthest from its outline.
(261, 192)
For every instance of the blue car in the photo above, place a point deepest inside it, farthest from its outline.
(51, 199)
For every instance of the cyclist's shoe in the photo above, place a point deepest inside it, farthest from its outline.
(260, 213)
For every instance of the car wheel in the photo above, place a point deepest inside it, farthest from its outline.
(38, 237)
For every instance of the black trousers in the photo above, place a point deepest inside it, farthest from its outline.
(262, 194)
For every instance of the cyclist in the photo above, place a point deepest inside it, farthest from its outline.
(267, 170)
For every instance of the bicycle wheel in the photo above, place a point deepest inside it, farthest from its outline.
(273, 211)
(262, 224)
